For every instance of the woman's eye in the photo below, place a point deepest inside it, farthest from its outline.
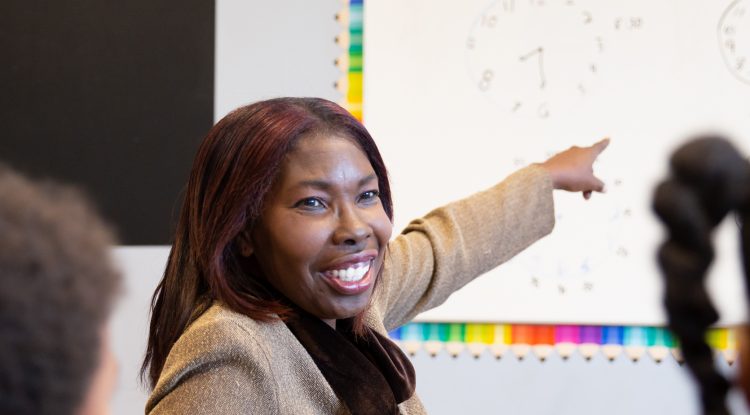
(369, 196)
(310, 203)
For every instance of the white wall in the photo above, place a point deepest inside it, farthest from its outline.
(143, 267)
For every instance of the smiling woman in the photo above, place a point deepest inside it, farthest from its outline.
(282, 283)
(324, 229)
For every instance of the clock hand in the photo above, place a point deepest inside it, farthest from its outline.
(523, 58)
(539, 52)
(542, 77)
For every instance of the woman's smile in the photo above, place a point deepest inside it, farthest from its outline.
(351, 275)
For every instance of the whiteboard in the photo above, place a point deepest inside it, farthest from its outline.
(460, 94)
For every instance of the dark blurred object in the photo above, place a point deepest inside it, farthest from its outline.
(112, 95)
(709, 179)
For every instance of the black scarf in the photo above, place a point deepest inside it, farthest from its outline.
(369, 373)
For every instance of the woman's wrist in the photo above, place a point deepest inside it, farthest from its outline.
(554, 175)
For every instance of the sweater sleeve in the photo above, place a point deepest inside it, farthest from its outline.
(208, 372)
(441, 252)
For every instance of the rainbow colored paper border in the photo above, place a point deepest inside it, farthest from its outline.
(520, 340)
(352, 60)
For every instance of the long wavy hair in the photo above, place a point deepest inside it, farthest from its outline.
(234, 168)
(709, 180)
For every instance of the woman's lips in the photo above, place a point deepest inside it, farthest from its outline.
(347, 281)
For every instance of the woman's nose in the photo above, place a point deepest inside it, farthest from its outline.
(352, 228)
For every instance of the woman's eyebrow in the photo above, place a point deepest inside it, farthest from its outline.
(367, 179)
(318, 184)
(325, 185)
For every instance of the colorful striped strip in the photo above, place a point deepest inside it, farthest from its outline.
(611, 342)
(351, 83)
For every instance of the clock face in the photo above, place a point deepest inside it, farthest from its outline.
(734, 39)
(523, 53)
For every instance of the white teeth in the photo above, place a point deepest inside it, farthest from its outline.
(354, 273)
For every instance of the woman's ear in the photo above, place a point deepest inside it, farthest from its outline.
(245, 243)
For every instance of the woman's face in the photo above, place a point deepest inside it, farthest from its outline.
(322, 235)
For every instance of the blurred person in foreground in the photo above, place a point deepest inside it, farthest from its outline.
(57, 288)
(709, 180)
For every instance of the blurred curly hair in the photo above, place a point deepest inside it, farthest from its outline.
(57, 288)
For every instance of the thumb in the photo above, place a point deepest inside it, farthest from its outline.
(598, 186)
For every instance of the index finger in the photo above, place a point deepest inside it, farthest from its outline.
(600, 146)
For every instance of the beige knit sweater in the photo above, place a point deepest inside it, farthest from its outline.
(227, 363)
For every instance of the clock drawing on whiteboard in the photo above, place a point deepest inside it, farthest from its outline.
(734, 39)
(525, 54)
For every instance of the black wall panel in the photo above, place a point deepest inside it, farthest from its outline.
(112, 95)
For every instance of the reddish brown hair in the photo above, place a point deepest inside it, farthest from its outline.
(235, 167)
